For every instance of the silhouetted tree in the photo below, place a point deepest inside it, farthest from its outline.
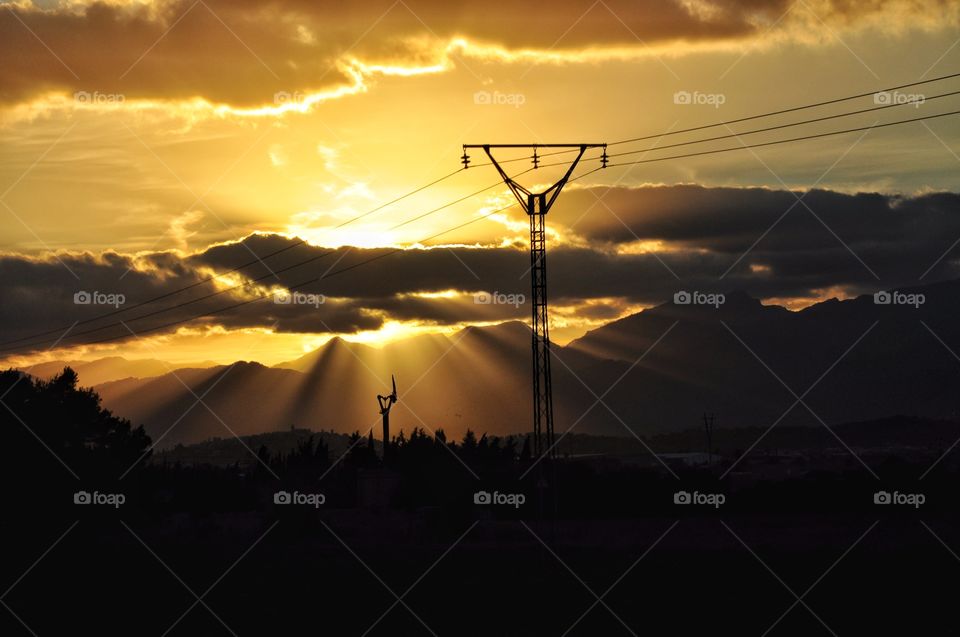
(52, 428)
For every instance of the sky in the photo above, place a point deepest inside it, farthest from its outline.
(146, 146)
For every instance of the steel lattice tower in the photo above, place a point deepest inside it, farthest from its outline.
(537, 205)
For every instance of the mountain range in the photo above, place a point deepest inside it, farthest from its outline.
(103, 370)
(656, 371)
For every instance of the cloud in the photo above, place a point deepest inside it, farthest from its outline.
(41, 295)
(243, 53)
(705, 231)
(895, 234)
(180, 227)
(221, 52)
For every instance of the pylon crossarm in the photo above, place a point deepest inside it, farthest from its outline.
(518, 191)
(557, 187)
(522, 194)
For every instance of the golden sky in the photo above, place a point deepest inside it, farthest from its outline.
(139, 136)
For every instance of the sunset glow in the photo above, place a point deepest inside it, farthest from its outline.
(288, 131)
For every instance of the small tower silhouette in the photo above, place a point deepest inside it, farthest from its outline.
(708, 422)
(386, 402)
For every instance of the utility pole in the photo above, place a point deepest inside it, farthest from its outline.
(536, 206)
(708, 421)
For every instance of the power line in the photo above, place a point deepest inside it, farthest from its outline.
(419, 189)
(473, 194)
(786, 141)
(21, 344)
(758, 145)
(400, 198)
(461, 199)
(789, 110)
(748, 118)
(290, 288)
(157, 298)
(259, 259)
(780, 126)
(645, 161)
(185, 303)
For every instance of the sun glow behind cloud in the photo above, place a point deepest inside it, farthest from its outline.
(169, 168)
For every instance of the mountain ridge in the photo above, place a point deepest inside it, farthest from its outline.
(655, 371)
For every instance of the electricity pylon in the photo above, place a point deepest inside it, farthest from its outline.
(386, 402)
(708, 420)
(537, 205)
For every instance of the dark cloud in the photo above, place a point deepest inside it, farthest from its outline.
(897, 236)
(41, 295)
(705, 233)
(242, 52)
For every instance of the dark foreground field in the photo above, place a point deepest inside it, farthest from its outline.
(320, 535)
(467, 570)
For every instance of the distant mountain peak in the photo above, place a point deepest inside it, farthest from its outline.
(335, 342)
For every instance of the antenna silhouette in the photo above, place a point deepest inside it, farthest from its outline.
(386, 402)
(536, 206)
